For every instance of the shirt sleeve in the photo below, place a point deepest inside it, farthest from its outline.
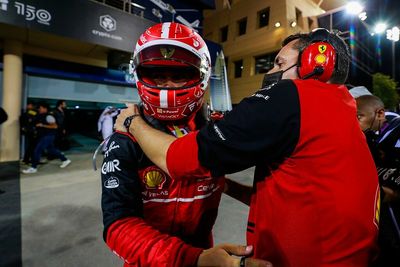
(138, 243)
(50, 119)
(125, 231)
(263, 128)
(121, 191)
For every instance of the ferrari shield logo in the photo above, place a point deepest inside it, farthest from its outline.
(322, 48)
(167, 52)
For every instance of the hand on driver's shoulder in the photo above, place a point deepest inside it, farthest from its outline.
(125, 113)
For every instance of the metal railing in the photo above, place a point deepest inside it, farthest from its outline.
(127, 6)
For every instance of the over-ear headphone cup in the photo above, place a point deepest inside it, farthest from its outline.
(317, 61)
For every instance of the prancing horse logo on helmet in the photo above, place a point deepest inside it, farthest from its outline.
(167, 52)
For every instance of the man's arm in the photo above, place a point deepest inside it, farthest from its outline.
(48, 126)
(137, 246)
(263, 128)
(51, 120)
(125, 231)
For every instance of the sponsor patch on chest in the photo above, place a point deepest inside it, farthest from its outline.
(153, 178)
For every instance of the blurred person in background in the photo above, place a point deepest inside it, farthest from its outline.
(46, 126)
(383, 138)
(105, 123)
(61, 141)
(28, 130)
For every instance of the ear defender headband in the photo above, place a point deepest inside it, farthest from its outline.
(318, 59)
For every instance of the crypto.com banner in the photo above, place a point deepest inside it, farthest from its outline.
(78, 19)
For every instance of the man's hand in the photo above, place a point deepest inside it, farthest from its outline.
(221, 256)
(154, 143)
(125, 113)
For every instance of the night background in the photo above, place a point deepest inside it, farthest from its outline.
(371, 53)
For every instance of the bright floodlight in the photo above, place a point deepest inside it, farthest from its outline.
(277, 24)
(393, 34)
(380, 28)
(354, 8)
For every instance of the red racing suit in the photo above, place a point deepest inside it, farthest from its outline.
(315, 201)
(151, 219)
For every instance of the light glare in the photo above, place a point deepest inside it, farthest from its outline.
(380, 28)
(354, 8)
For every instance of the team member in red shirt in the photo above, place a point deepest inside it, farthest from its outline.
(149, 218)
(315, 184)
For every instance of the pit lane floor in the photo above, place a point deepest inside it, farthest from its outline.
(61, 223)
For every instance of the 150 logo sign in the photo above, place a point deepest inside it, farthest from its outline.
(30, 12)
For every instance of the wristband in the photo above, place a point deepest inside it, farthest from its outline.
(128, 121)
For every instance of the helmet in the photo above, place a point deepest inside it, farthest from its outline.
(171, 65)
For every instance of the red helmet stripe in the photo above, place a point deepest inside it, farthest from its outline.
(171, 98)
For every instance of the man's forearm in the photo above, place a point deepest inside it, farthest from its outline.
(135, 241)
(153, 142)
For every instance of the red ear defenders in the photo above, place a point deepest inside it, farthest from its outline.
(318, 59)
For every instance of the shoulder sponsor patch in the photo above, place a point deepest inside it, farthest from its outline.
(111, 182)
(111, 147)
(110, 166)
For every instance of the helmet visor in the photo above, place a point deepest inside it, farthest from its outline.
(168, 76)
(158, 64)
